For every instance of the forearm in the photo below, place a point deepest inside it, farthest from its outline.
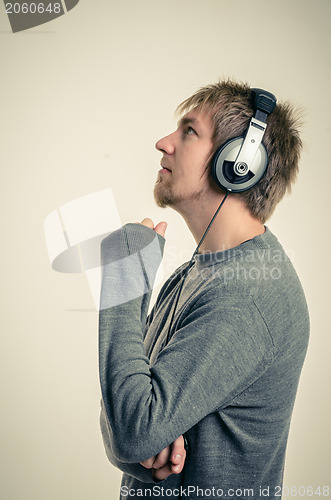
(135, 401)
(135, 470)
(130, 259)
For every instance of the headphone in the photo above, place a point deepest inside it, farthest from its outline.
(241, 162)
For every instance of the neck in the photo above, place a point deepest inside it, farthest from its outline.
(233, 225)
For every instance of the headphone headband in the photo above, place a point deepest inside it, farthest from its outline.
(263, 101)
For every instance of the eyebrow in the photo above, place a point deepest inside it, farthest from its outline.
(186, 121)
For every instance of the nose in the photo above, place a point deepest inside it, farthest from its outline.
(166, 144)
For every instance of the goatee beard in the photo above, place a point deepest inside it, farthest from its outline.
(162, 199)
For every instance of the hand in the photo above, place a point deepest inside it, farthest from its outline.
(160, 228)
(169, 461)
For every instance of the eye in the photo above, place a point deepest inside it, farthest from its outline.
(190, 131)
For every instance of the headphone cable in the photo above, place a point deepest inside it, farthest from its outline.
(188, 267)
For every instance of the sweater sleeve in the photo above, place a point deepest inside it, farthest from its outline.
(125, 277)
(206, 364)
(132, 469)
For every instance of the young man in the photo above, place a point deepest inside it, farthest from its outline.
(216, 364)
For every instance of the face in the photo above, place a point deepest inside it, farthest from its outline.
(183, 178)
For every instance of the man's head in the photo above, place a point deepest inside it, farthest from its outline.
(184, 179)
(225, 109)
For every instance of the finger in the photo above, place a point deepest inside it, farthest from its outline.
(147, 222)
(148, 463)
(160, 228)
(177, 449)
(178, 455)
(162, 458)
(163, 472)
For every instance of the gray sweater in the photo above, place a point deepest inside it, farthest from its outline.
(227, 378)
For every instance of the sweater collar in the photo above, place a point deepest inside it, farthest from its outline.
(262, 241)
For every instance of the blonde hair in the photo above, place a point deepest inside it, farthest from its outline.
(231, 106)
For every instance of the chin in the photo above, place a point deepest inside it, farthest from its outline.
(162, 199)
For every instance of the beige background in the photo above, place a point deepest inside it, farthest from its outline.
(83, 100)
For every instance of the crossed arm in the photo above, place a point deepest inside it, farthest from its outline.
(171, 459)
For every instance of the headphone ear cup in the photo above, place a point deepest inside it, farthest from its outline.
(223, 162)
